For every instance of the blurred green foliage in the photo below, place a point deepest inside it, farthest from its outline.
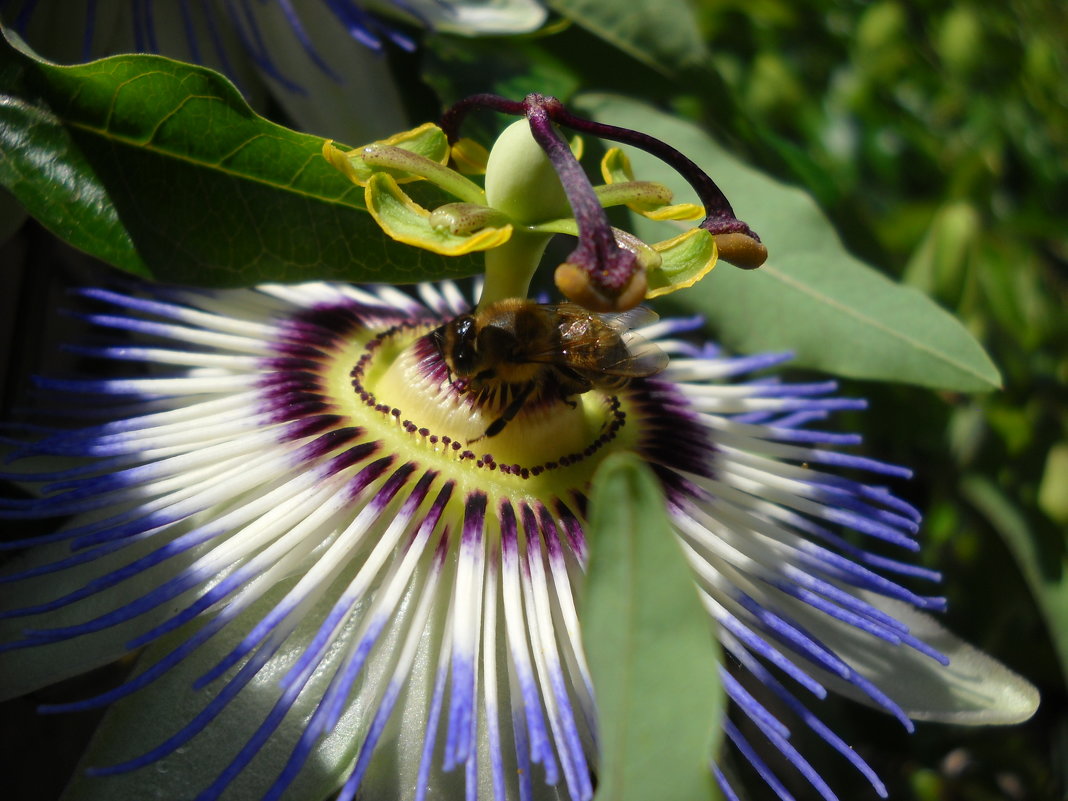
(935, 134)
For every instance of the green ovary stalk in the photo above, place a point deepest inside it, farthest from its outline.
(521, 182)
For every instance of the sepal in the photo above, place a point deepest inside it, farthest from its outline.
(973, 689)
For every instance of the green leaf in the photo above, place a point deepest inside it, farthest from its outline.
(1047, 578)
(812, 297)
(162, 169)
(661, 33)
(938, 263)
(649, 644)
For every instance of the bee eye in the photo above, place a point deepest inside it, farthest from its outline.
(464, 353)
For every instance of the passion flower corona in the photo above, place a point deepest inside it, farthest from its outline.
(350, 542)
(336, 588)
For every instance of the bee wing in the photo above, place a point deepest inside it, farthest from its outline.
(637, 317)
(618, 321)
(638, 357)
(643, 358)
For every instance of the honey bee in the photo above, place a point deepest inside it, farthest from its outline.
(563, 349)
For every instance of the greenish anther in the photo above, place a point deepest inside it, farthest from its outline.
(466, 218)
(638, 192)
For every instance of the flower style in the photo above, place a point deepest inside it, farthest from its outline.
(340, 580)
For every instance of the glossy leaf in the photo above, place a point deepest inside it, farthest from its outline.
(649, 646)
(161, 168)
(812, 297)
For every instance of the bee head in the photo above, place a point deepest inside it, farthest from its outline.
(458, 344)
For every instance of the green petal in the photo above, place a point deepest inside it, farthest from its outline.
(27, 669)
(468, 17)
(145, 719)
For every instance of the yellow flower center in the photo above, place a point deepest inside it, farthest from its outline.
(395, 385)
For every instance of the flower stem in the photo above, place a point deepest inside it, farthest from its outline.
(509, 267)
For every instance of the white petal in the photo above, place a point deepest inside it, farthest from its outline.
(126, 731)
(975, 689)
(27, 669)
(362, 107)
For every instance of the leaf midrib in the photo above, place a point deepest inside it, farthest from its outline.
(878, 325)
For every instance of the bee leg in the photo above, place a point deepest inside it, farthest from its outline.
(510, 411)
